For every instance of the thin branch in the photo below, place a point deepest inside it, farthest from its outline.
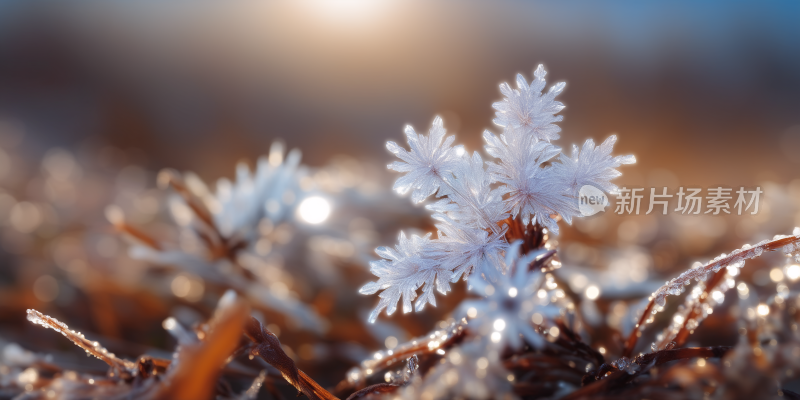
(115, 215)
(684, 332)
(268, 347)
(616, 379)
(532, 236)
(786, 243)
(379, 388)
(172, 179)
(122, 368)
(418, 347)
(198, 366)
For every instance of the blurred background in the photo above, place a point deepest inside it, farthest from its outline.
(709, 91)
(96, 97)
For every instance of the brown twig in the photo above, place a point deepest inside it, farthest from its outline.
(735, 256)
(574, 342)
(268, 347)
(378, 388)
(121, 368)
(173, 179)
(684, 332)
(418, 347)
(199, 365)
(533, 237)
(115, 215)
(610, 378)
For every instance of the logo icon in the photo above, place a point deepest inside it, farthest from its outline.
(591, 200)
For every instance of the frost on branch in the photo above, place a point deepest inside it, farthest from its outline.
(708, 292)
(533, 193)
(528, 110)
(592, 165)
(427, 164)
(509, 303)
(530, 181)
(463, 249)
(222, 234)
(469, 199)
(193, 371)
(120, 367)
(402, 272)
(464, 373)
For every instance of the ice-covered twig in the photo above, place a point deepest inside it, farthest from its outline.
(378, 388)
(122, 367)
(440, 340)
(252, 392)
(694, 312)
(617, 378)
(225, 228)
(788, 244)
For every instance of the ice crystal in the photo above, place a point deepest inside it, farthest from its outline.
(533, 193)
(624, 364)
(506, 312)
(527, 109)
(469, 199)
(592, 165)
(530, 181)
(271, 191)
(427, 164)
(462, 249)
(465, 372)
(403, 271)
(222, 233)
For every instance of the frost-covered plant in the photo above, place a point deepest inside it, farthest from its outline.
(191, 373)
(529, 334)
(507, 308)
(225, 235)
(531, 182)
(466, 372)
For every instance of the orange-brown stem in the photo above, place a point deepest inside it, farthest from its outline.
(752, 252)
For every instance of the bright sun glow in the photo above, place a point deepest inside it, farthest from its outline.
(314, 210)
(348, 10)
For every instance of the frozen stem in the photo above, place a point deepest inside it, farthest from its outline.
(788, 244)
(122, 368)
(268, 347)
(608, 378)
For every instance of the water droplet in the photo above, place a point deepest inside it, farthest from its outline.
(413, 365)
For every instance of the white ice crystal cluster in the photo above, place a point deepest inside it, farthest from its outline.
(531, 180)
(466, 372)
(512, 302)
(228, 235)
